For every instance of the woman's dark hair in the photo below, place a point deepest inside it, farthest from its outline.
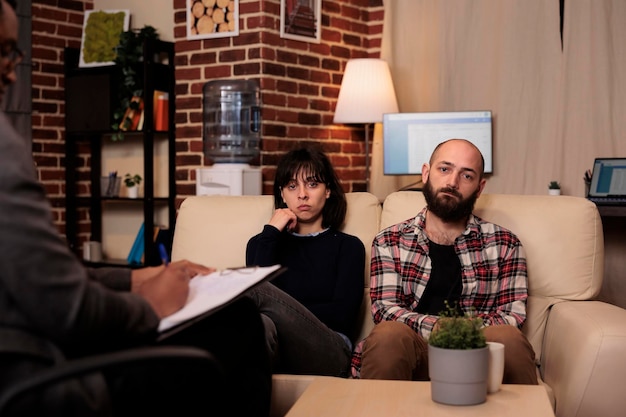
(316, 164)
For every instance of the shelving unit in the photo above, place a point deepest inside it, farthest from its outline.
(90, 99)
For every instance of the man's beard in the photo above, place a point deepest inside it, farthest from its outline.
(448, 208)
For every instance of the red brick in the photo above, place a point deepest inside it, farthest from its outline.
(218, 71)
(298, 102)
(187, 74)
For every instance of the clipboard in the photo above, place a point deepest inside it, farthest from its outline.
(212, 292)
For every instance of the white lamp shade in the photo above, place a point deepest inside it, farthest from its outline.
(366, 92)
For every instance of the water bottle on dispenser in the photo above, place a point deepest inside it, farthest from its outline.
(231, 138)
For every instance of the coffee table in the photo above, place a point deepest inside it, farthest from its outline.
(329, 396)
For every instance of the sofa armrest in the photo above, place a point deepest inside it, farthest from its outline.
(583, 358)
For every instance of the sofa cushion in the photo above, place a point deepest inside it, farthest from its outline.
(362, 221)
(214, 230)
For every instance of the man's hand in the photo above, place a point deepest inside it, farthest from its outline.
(166, 288)
(435, 327)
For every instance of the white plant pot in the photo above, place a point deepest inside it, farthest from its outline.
(554, 192)
(458, 377)
(133, 191)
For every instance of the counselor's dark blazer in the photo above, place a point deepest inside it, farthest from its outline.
(52, 307)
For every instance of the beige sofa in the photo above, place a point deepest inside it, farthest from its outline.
(580, 343)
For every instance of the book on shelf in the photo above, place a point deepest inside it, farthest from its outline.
(160, 234)
(136, 251)
(161, 110)
(133, 117)
(163, 235)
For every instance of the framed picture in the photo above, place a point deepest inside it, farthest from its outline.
(101, 34)
(301, 20)
(212, 18)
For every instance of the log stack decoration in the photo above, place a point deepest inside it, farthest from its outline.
(212, 16)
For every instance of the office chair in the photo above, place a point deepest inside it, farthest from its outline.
(97, 363)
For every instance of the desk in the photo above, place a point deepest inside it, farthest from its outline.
(328, 396)
(614, 228)
(612, 211)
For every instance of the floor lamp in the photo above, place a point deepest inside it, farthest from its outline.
(366, 94)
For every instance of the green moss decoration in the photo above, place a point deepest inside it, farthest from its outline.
(102, 33)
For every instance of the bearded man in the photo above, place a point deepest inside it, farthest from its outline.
(445, 255)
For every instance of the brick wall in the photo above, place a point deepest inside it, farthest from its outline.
(299, 85)
(56, 24)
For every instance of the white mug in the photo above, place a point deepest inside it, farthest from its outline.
(496, 366)
(92, 251)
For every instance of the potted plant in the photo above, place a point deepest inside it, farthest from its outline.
(554, 188)
(458, 359)
(129, 52)
(132, 183)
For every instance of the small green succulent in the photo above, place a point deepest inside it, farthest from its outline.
(455, 330)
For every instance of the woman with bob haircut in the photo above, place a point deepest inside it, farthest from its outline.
(309, 311)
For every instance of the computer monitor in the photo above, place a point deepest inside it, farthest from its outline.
(410, 138)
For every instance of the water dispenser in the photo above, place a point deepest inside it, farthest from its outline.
(232, 120)
(231, 138)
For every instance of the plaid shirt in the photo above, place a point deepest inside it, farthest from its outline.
(493, 263)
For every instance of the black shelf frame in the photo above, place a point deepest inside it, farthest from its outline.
(91, 95)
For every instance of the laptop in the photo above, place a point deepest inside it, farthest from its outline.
(608, 182)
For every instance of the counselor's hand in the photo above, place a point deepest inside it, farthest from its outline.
(166, 287)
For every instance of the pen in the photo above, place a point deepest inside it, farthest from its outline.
(163, 253)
